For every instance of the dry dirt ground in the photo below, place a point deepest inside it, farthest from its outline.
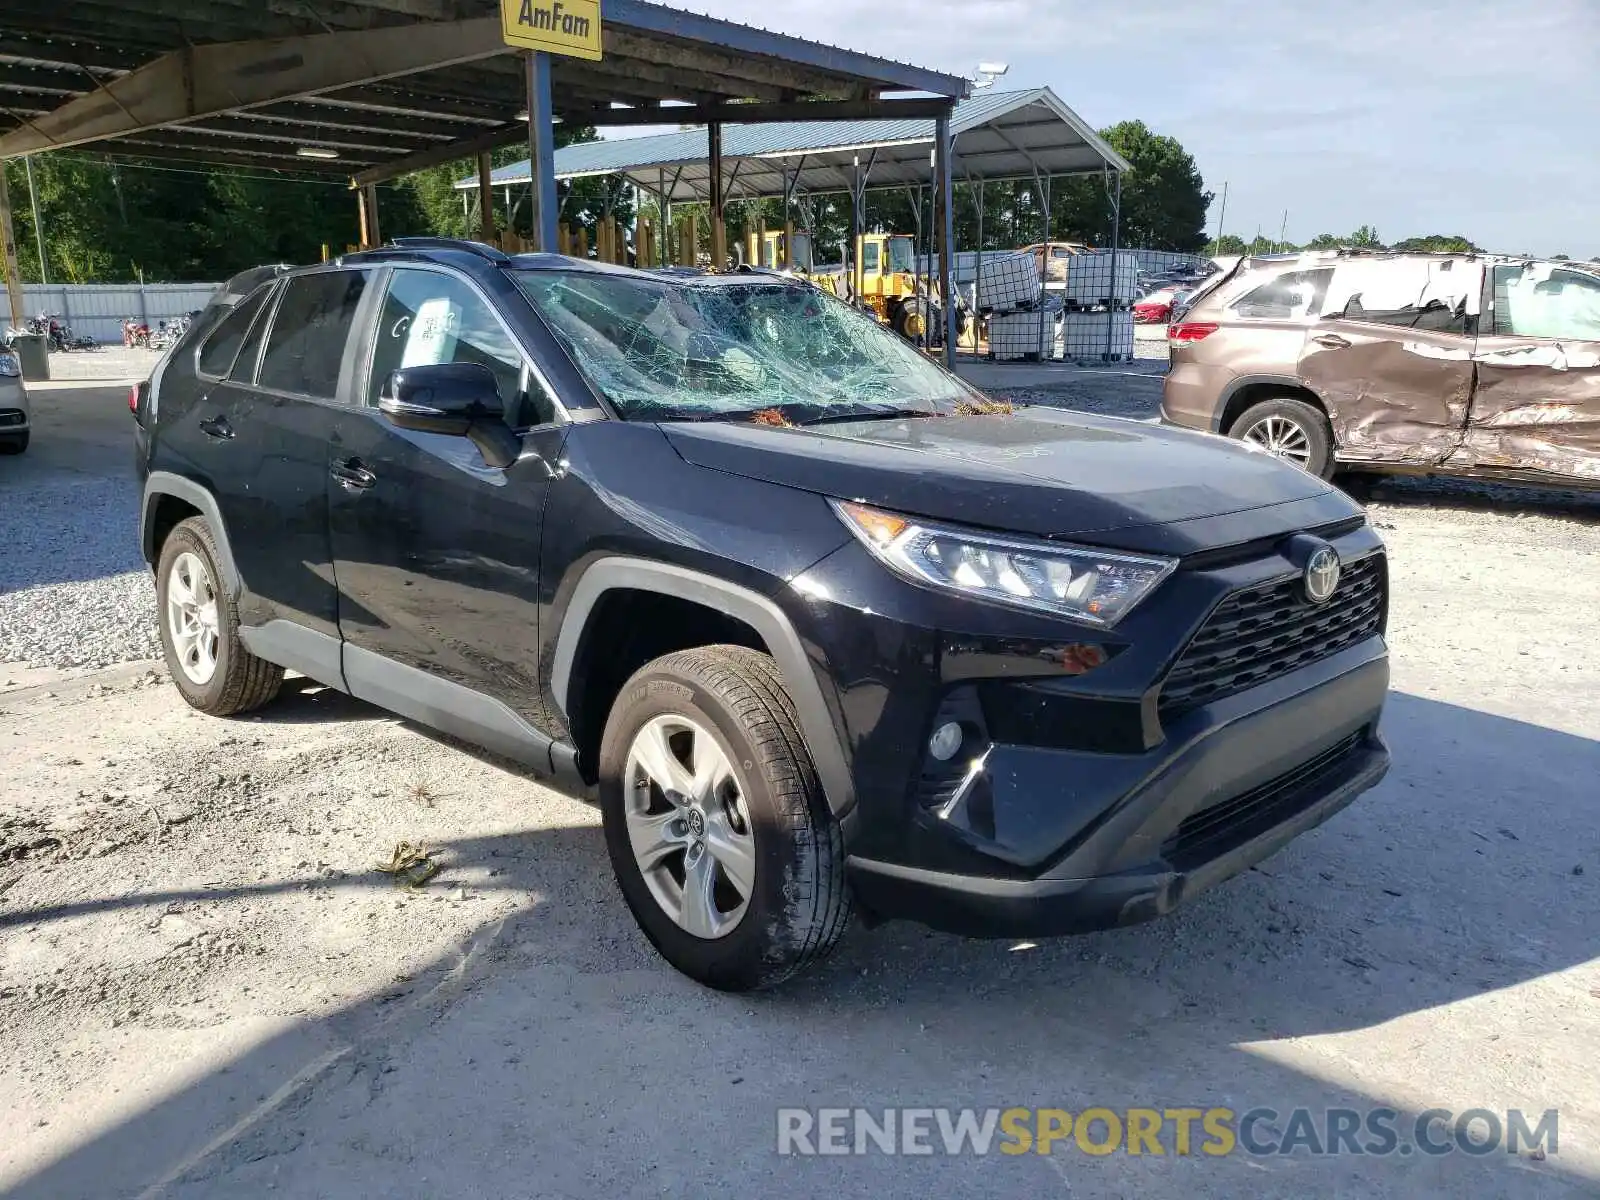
(207, 989)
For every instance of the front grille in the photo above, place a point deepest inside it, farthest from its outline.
(1220, 828)
(1262, 632)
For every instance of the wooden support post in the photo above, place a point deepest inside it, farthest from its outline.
(583, 243)
(371, 236)
(485, 200)
(8, 255)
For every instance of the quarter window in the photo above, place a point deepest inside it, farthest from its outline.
(306, 347)
(222, 347)
(1536, 300)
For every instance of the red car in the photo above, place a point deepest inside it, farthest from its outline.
(1156, 308)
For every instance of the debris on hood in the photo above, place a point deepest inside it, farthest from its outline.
(984, 408)
(773, 417)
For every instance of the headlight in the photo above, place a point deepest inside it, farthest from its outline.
(1076, 581)
(10, 365)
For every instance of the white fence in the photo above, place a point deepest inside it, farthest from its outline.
(99, 309)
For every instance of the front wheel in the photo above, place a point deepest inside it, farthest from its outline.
(723, 844)
(1291, 430)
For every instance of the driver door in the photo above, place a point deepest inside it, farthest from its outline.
(436, 552)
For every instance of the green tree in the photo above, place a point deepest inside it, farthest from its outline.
(1437, 243)
(1164, 199)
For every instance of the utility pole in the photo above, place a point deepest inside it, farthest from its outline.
(1222, 212)
(38, 228)
(1283, 232)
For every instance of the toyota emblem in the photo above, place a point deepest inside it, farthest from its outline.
(1322, 574)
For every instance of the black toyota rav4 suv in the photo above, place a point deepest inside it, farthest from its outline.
(823, 628)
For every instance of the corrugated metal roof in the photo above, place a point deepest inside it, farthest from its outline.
(999, 135)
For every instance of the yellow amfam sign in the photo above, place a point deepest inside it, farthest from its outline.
(570, 27)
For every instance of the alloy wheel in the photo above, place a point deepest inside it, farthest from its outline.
(688, 826)
(1282, 438)
(192, 617)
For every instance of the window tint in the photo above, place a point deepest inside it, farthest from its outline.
(306, 346)
(1538, 300)
(1290, 296)
(244, 366)
(222, 347)
(431, 317)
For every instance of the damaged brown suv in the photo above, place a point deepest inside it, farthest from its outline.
(1434, 363)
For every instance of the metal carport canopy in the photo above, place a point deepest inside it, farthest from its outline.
(998, 135)
(374, 88)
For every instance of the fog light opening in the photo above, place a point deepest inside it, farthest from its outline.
(946, 740)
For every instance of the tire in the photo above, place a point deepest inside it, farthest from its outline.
(798, 905)
(238, 681)
(14, 443)
(1300, 428)
(914, 306)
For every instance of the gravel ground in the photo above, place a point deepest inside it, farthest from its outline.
(206, 987)
(73, 589)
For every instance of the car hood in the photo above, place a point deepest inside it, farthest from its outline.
(1039, 471)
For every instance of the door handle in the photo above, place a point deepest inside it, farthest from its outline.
(352, 476)
(1332, 341)
(217, 428)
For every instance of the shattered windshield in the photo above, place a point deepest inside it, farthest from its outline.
(660, 350)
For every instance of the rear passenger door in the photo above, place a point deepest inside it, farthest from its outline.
(1537, 403)
(1391, 356)
(436, 551)
(287, 384)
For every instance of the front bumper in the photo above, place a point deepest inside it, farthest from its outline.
(1256, 770)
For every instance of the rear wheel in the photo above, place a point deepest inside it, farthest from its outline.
(1291, 430)
(200, 628)
(723, 844)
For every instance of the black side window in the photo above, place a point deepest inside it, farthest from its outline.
(222, 347)
(1289, 297)
(244, 367)
(306, 347)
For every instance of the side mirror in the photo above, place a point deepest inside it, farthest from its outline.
(441, 398)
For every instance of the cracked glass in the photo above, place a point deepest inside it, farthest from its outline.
(713, 348)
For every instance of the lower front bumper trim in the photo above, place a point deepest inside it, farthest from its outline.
(981, 906)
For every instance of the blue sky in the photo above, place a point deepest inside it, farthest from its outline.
(1416, 116)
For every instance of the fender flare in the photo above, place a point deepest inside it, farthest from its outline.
(1238, 384)
(769, 621)
(165, 483)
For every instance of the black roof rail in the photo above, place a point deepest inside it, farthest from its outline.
(481, 249)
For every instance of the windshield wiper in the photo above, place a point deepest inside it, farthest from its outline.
(870, 414)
